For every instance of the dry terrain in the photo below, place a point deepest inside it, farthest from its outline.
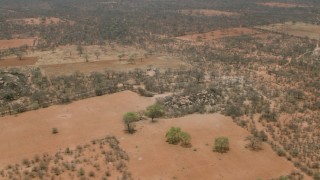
(10, 62)
(206, 12)
(78, 123)
(15, 43)
(38, 21)
(282, 5)
(298, 29)
(213, 35)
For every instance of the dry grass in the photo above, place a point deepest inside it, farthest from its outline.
(213, 35)
(282, 5)
(15, 43)
(298, 29)
(206, 12)
(38, 21)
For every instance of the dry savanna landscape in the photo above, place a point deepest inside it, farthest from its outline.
(160, 90)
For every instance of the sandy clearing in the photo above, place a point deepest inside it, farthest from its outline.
(209, 36)
(151, 157)
(29, 133)
(298, 29)
(16, 62)
(99, 66)
(38, 21)
(206, 12)
(282, 5)
(14, 43)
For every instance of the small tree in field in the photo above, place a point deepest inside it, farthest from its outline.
(155, 111)
(173, 135)
(221, 145)
(129, 119)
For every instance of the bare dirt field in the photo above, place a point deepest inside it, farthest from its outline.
(161, 62)
(38, 21)
(282, 5)
(27, 134)
(14, 43)
(206, 12)
(209, 36)
(10, 62)
(296, 29)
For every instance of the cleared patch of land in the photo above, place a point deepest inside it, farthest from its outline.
(38, 21)
(16, 62)
(206, 12)
(14, 43)
(298, 29)
(151, 157)
(161, 62)
(282, 5)
(209, 36)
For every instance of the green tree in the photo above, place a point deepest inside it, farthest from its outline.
(221, 145)
(173, 135)
(129, 119)
(155, 111)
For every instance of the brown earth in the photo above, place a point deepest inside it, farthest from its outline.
(16, 62)
(27, 134)
(14, 43)
(298, 29)
(38, 21)
(209, 36)
(161, 62)
(206, 12)
(282, 5)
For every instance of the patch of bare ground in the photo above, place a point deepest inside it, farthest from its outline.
(38, 21)
(161, 62)
(15, 43)
(151, 157)
(10, 62)
(282, 5)
(298, 29)
(213, 35)
(207, 12)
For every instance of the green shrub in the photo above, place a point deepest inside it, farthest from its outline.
(173, 135)
(129, 119)
(281, 152)
(54, 131)
(221, 145)
(185, 139)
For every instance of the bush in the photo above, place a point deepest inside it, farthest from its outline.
(281, 152)
(54, 131)
(221, 145)
(173, 135)
(129, 119)
(185, 139)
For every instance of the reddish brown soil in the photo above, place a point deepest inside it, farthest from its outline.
(16, 62)
(282, 5)
(206, 12)
(14, 43)
(151, 157)
(207, 37)
(87, 67)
